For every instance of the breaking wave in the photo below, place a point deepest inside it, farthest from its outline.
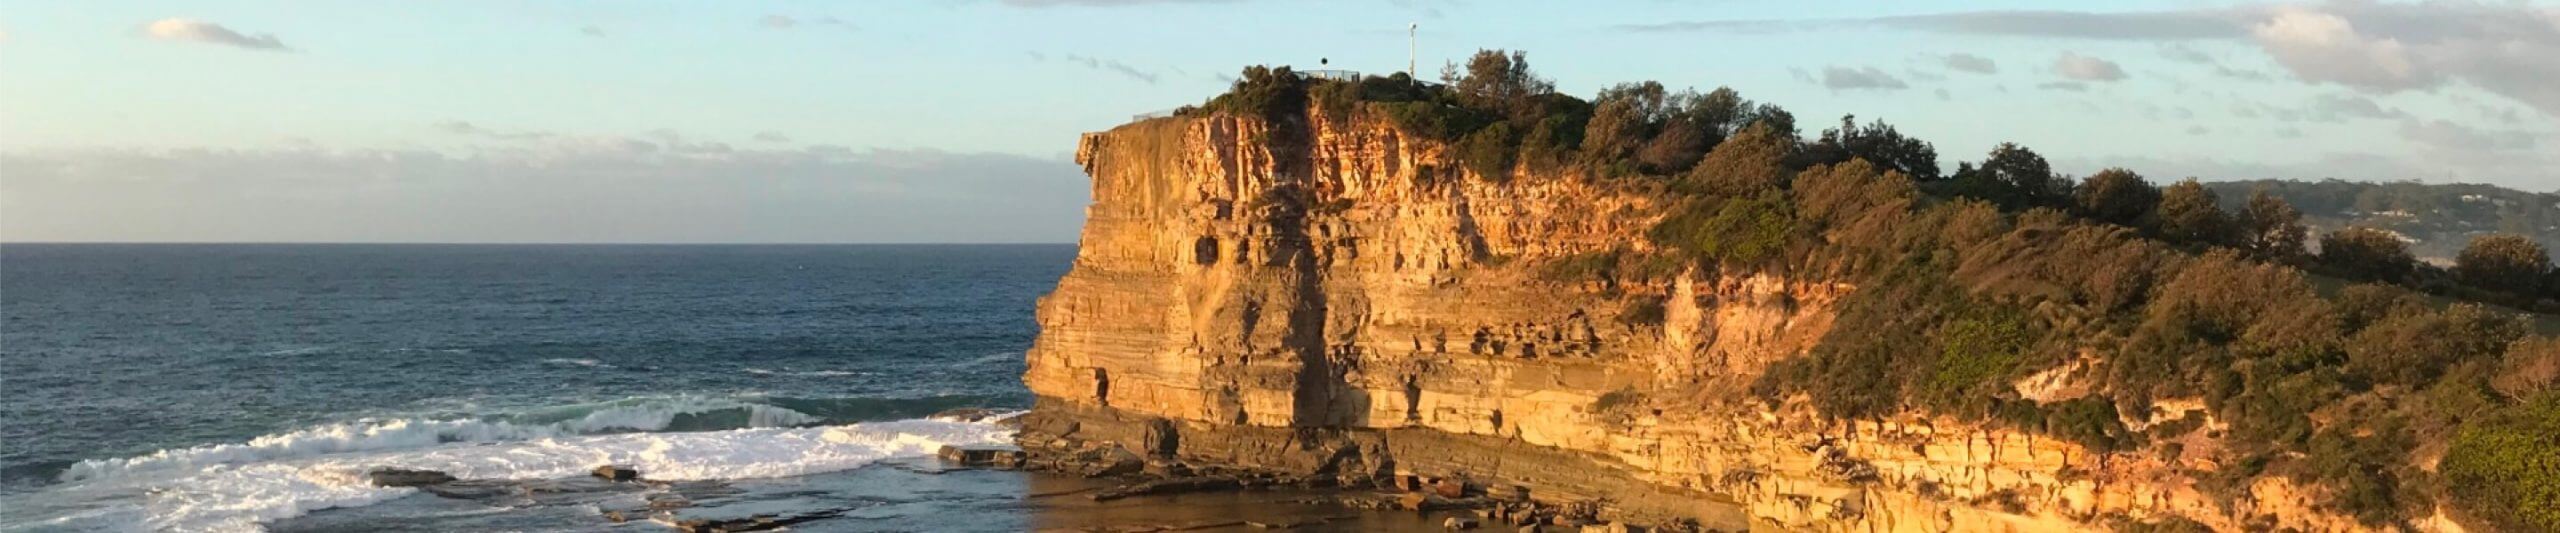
(239, 486)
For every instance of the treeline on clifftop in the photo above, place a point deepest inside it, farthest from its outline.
(2336, 359)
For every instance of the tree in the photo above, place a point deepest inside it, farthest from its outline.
(1751, 163)
(1622, 118)
(1676, 149)
(2503, 262)
(2117, 196)
(1876, 143)
(2012, 176)
(2190, 213)
(2271, 228)
(1501, 82)
(1719, 114)
(2368, 252)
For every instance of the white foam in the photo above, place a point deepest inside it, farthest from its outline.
(811, 373)
(239, 496)
(589, 363)
(648, 414)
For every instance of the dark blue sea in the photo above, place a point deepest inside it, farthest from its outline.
(248, 386)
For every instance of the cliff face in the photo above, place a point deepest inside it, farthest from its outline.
(1336, 296)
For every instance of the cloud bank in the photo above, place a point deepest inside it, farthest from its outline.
(196, 31)
(2502, 48)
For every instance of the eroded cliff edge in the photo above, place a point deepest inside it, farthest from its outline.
(1329, 294)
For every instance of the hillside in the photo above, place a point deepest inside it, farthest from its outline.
(1670, 308)
(2437, 218)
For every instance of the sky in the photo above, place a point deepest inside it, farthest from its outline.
(954, 120)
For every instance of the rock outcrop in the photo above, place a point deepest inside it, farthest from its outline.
(1334, 296)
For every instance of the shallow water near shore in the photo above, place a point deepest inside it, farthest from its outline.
(245, 387)
(907, 494)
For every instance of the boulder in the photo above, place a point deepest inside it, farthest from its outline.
(1459, 522)
(616, 473)
(1115, 462)
(965, 414)
(1167, 468)
(1449, 488)
(402, 477)
(990, 455)
(668, 501)
(1419, 501)
(1408, 482)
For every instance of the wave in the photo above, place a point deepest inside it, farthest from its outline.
(998, 357)
(808, 373)
(589, 363)
(237, 487)
(308, 350)
(682, 413)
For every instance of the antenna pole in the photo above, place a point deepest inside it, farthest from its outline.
(1411, 31)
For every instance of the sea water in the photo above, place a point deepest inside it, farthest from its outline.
(236, 387)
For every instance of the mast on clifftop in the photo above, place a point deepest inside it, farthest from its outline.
(1411, 29)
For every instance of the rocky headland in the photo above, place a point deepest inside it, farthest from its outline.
(1335, 300)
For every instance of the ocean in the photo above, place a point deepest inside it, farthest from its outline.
(247, 386)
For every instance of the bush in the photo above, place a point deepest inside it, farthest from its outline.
(2091, 422)
(2503, 262)
(1739, 231)
(1750, 164)
(1268, 92)
(2368, 253)
(2506, 469)
(2191, 213)
(1977, 355)
(1490, 152)
(1434, 120)
(1586, 266)
(2117, 196)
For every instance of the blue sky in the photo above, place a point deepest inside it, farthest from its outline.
(950, 121)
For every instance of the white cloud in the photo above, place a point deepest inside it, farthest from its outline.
(2322, 46)
(1845, 78)
(2078, 67)
(1971, 63)
(2505, 48)
(178, 29)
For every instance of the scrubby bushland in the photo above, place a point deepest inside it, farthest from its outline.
(2334, 368)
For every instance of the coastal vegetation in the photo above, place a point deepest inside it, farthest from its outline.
(2334, 358)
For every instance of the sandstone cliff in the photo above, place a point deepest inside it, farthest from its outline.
(1337, 296)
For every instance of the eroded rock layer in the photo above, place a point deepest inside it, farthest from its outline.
(1337, 296)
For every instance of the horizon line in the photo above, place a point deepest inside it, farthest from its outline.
(531, 243)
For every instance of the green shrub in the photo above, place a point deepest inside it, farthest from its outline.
(1490, 152)
(1434, 120)
(1586, 266)
(1977, 355)
(2092, 422)
(1740, 231)
(2506, 469)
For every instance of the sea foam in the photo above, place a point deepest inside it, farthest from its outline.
(642, 414)
(244, 490)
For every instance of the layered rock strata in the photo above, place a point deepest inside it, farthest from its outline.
(1334, 296)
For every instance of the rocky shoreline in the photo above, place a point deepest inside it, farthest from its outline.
(1354, 469)
(1064, 475)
